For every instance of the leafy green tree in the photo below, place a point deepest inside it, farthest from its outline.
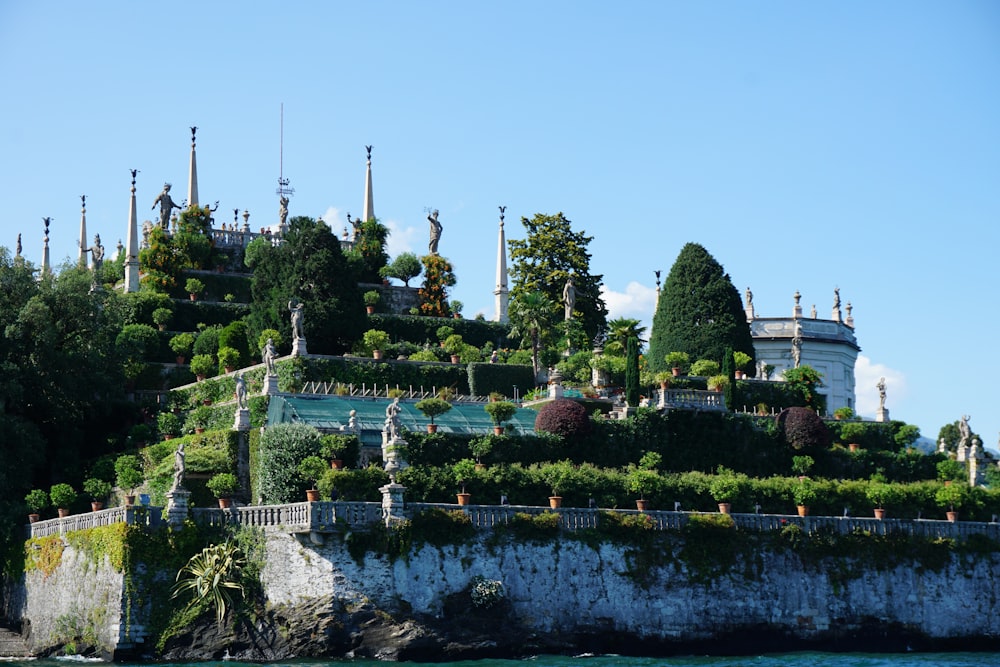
(405, 267)
(531, 315)
(369, 255)
(951, 435)
(543, 261)
(699, 312)
(620, 330)
(308, 266)
(806, 380)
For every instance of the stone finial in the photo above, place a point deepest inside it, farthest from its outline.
(797, 310)
(849, 320)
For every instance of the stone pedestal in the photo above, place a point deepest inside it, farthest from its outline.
(242, 421)
(177, 506)
(270, 385)
(555, 390)
(299, 347)
(882, 415)
(392, 503)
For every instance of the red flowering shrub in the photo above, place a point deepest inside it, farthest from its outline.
(563, 417)
(803, 429)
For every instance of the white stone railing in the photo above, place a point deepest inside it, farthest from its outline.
(692, 399)
(326, 516)
(130, 514)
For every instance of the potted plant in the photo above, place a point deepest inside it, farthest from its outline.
(194, 287)
(333, 446)
(557, 475)
(851, 433)
(718, 382)
(162, 317)
(181, 344)
(202, 365)
(371, 299)
(311, 468)
(128, 476)
(801, 465)
(843, 413)
(223, 486)
(98, 490)
(951, 496)
(804, 494)
(456, 309)
(228, 358)
(168, 424)
(376, 340)
(677, 361)
(742, 360)
(442, 333)
(198, 419)
(881, 493)
(726, 487)
(481, 446)
(62, 496)
(454, 345)
(663, 379)
(36, 500)
(761, 409)
(462, 471)
(432, 407)
(499, 412)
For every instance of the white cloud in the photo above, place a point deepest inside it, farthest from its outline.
(333, 220)
(867, 375)
(637, 301)
(401, 239)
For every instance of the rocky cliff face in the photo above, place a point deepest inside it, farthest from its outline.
(564, 596)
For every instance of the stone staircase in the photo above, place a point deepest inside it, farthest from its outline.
(12, 645)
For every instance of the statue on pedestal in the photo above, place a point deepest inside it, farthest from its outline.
(436, 228)
(167, 205)
(97, 256)
(179, 467)
(241, 393)
(391, 428)
(283, 210)
(269, 355)
(569, 298)
(296, 308)
(881, 393)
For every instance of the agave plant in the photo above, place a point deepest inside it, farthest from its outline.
(212, 577)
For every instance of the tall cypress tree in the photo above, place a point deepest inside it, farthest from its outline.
(699, 312)
(632, 371)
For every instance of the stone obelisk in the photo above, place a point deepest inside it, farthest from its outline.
(501, 293)
(132, 244)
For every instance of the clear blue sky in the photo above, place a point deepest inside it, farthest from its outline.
(806, 145)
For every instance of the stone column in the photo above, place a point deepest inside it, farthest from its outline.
(177, 506)
(270, 385)
(393, 504)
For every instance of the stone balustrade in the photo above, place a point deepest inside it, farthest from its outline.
(326, 517)
(692, 399)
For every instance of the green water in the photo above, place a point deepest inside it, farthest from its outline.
(807, 659)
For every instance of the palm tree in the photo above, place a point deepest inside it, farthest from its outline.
(530, 315)
(619, 331)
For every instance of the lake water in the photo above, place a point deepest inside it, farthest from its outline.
(805, 659)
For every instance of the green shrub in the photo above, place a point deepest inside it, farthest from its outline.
(128, 473)
(500, 411)
(203, 364)
(194, 286)
(167, 423)
(282, 448)
(182, 343)
(223, 485)
(62, 495)
(36, 500)
(705, 368)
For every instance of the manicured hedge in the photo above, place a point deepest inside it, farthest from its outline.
(486, 378)
(417, 329)
(188, 314)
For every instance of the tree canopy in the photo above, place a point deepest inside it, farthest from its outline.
(550, 254)
(699, 312)
(308, 266)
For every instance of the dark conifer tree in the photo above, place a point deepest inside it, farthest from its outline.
(699, 312)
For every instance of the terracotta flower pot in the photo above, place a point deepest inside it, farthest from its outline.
(129, 500)
(193, 297)
(225, 503)
(853, 446)
(724, 508)
(179, 360)
(555, 502)
(455, 358)
(96, 506)
(62, 512)
(803, 510)
(498, 430)
(432, 428)
(463, 498)
(642, 505)
(879, 513)
(675, 371)
(312, 495)
(336, 464)
(952, 516)
(33, 518)
(370, 309)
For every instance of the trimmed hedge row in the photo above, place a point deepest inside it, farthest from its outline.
(486, 378)
(417, 329)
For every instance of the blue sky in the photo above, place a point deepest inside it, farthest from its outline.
(807, 146)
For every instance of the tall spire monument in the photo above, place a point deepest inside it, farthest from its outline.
(132, 244)
(193, 174)
(83, 231)
(45, 249)
(501, 294)
(369, 209)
